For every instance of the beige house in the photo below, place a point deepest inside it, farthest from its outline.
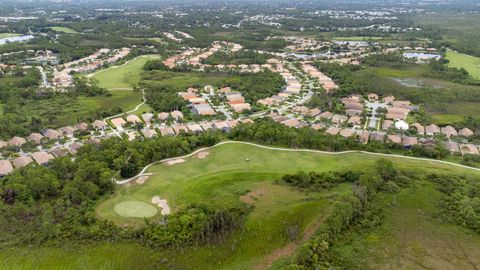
(42, 158)
(99, 124)
(5, 167)
(332, 131)
(17, 141)
(35, 138)
(22, 161)
(118, 122)
(465, 132)
(52, 134)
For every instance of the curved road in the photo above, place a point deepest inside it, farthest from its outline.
(142, 172)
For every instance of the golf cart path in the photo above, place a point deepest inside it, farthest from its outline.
(142, 172)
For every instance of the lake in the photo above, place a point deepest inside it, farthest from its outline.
(15, 39)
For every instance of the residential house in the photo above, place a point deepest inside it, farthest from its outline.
(5, 167)
(22, 161)
(293, 122)
(67, 131)
(42, 158)
(180, 128)
(325, 115)
(387, 124)
(312, 112)
(363, 136)
(232, 123)
(222, 125)
(332, 130)
(203, 109)
(241, 107)
(317, 127)
(465, 132)
(163, 116)
(81, 126)
(377, 136)
(99, 125)
(147, 118)
(118, 122)
(394, 138)
(17, 141)
(194, 128)
(59, 152)
(389, 99)
(372, 97)
(149, 133)
(52, 134)
(346, 133)
(73, 148)
(177, 115)
(355, 120)
(408, 141)
(432, 129)
(453, 147)
(206, 126)
(469, 149)
(420, 129)
(167, 131)
(338, 119)
(35, 138)
(134, 119)
(449, 131)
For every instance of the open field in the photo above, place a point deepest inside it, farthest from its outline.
(182, 80)
(7, 35)
(123, 76)
(82, 107)
(469, 63)
(412, 237)
(281, 216)
(63, 29)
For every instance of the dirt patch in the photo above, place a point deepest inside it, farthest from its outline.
(174, 161)
(202, 154)
(162, 204)
(254, 195)
(140, 180)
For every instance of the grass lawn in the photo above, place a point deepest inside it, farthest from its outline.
(280, 216)
(7, 35)
(412, 237)
(63, 29)
(469, 63)
(123, 76)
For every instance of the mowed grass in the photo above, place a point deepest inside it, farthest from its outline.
(7, 35)
(280, 215)
(468, 62)
(63, 29)
(412, 237)
(123, 76)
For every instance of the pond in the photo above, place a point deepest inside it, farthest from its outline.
(15, 39)
(421, 56)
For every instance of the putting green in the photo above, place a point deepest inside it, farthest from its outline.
(135, 209)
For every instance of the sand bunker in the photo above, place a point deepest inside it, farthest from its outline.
(174, 161)
(202, 154)
(162, 204)
(140, 180)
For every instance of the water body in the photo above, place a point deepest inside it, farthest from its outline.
(422, 56)
(15, 39)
